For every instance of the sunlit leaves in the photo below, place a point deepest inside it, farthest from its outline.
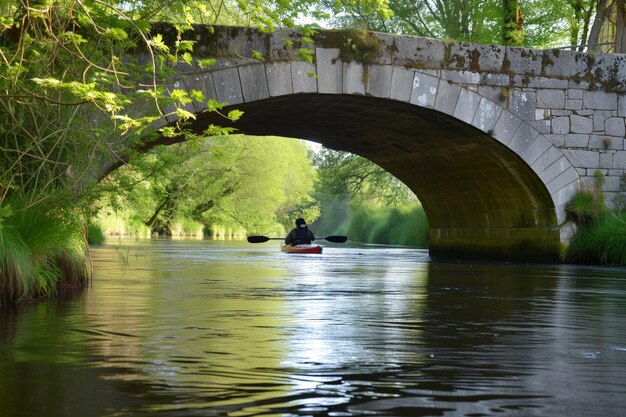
(235, 115)
(157, 43)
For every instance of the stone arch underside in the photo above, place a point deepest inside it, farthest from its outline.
(482, 200)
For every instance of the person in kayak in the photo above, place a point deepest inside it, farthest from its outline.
(300, 235)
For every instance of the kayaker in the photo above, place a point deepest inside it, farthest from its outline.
(300, 235)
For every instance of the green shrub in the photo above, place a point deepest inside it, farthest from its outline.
(604, 242)
(95, 234)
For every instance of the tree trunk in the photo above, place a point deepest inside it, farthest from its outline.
(602, 10)
(620, 29)
(513, 24)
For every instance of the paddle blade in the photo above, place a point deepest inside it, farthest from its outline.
(336, 239)
(258, 239)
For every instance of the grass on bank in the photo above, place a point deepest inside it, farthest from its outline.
(42, 252)
(600, 236)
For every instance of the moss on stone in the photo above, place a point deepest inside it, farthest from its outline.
(354, 44)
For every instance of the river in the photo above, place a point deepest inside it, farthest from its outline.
(201, 328)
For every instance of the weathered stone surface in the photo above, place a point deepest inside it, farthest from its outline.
(379, 80)
(581, 124)
(204, 83)
(524, 61)
(506, 126)
(424, 91)
(418, 52)
(353, 78)
(606, 160)
(560, 125)
(401, 83)
(447, 96)
(551, 99)
(604, 142)
(599, 100)
(228, 86)
(619, 160)
(466, 106)
(486, 115)
(621, 110)
(329, 70)
(576, 140)
(582, 158)
(301, 76)
(523, 104)
(614, 126)
(253, 82)
(279, 78)
(599, 119)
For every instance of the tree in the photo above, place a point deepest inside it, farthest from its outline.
(513, 23)
(359, 180)
(251, 183)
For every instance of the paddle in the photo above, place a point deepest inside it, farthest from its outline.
(261, 239)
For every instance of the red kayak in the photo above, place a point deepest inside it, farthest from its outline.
(312, 248)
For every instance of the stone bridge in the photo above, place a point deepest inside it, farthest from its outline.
(493, 140)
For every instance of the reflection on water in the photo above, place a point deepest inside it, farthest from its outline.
(196, 328)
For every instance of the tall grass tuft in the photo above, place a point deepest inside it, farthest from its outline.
(604, 241)
(42, 252)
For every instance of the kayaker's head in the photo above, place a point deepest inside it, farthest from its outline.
(300, 222)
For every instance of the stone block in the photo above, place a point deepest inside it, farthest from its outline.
(571, 104)
(424, 91)
(539, 82)
(599, 100)
(415, 52)
(528, 144)
(461, 77)
(549, 157)
(606, 142)
(551, 99)
(401, 84)
(466, 105)
(581, 124)
(582, 158)
(228, 86)
(599, 119)
(279, 78)
(614, 126)
(575, 94)
(541, 126)
(563, 196)
(611, 184)
(353, 78)
(606, 160)
(576, 140)
(562, 63)
(495, 94)
(329, 70)
(560, 125)
(522, 104)
(506, 126)
(253, 82)
(303, 81)
(619, 160)
(486, 115)
(204, 83)
(524, 61)
(562, 180)
(553, 170)
(447, 97)
(379, 80)
(557, 140)
(621, 106)
(497, 80)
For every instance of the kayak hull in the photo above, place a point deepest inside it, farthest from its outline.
(301, 248)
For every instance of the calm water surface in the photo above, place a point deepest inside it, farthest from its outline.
(197, 328)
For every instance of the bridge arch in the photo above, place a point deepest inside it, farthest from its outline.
(493, 184)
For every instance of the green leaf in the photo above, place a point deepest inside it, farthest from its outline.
(185, 45)
(157, 43)
(207, 62)
(258, 55)
(235, 115)
(116, 34)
